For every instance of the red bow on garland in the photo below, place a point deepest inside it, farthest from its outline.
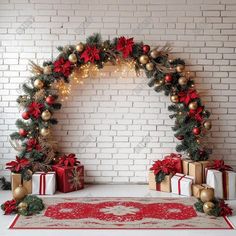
(167, 166)
(187, 96)
(9, 207)
(220, 165)
(62, 66)
(18, 165)
(68, 160)
(32, 144)
(90, 54)
(197, 114)
(35, 109)
(125, 46)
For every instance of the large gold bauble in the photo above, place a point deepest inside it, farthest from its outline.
(19, 193)
(192, 105)
(182, 81)
(154, 54)
(174, 98)
(149, 66)
(47, 70)
(38, 84)
(45, 132)
(207, 125)
(22, 206)
(72, 58)
(144, 59)
(180, 68)
(208, 206)
(207, 195)
(46, 115)
(80, 47)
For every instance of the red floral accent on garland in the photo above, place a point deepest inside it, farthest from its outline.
(187, 96)
(167, 166)
(62, 66)
(197, 114)
(35, 109)
(90, 54)
(18, 165)
(9, 207)
(225, 210)
(68, 160)
(125, 46)
(32, 144)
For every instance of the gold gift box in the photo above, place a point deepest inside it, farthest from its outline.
(196, 169)
(16, 181)
(163, 186)
(197, 188)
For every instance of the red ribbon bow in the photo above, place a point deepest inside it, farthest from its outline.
(197, 114)
(220, 165)
(68, 160)
(187, 96)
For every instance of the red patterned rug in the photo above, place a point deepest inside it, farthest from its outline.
(120, 213)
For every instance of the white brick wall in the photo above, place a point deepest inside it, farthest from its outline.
(116, 125)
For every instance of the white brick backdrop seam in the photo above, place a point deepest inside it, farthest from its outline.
(118, 126)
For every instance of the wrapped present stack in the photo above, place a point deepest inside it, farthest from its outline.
(187, 177)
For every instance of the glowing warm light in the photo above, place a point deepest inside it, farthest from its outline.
(63, 88)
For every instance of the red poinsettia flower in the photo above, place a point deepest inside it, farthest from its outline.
(167, 166)
(220, 165)
(225, 210)
(197, 114)
(9, 207)
(125, 46)
(62, 66)
(187, 96)
(90, 54)
(32, 144)
(18, 165)
(68, 160)
(35, 108)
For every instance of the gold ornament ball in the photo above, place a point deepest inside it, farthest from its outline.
(46, 115)
(154, 54)
(144, 59)
(158, 83)
(22, 206)
(208, 206)
(38, 84)
(207, 125)
(183, 81)
(192, 105)
(207, 195)
(180, 68)
(80, 47)
(45, 132)
(19, 193)
(47, 70)
(174, 98)
(149, 66)
(72, 58)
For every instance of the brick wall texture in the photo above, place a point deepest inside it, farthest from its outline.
(114, 122)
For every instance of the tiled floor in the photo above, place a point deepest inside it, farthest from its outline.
(109, 191)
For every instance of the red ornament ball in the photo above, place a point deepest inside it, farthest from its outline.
(23, 132)
(168, 78)
(180, 137)
(25, 115)
(196, 130)
(146, 48)
(50, 100)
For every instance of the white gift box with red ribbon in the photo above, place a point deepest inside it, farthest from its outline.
(182, 184)
(44, 183)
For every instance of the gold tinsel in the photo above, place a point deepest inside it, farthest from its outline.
(39, 95)
(35, 69)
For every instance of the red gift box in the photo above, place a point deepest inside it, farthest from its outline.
(177, 158)
(69, 174)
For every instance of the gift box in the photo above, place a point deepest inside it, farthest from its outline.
(182, 184)
(164, 185)
(196, 169)
(44, 183)
(197, 188)
(223, 182)
(69, 178)
(16, 180)
(178, 160)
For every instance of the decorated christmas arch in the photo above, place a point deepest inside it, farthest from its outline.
(51, 82)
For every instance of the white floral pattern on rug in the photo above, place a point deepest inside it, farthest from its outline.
(119, 210)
